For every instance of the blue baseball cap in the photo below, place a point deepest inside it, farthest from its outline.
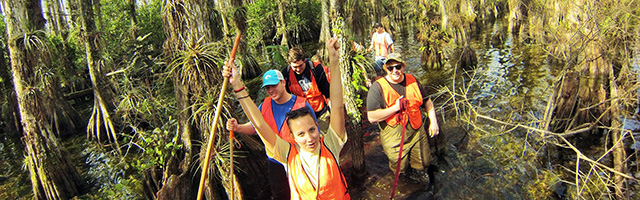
(272, 77)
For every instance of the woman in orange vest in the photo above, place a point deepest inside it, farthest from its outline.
(273, 108)
(384, 102)
(312, 160)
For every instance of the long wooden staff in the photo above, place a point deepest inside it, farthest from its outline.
(205, 167)
(231, 145)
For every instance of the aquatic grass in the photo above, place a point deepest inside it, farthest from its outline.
(506, 142)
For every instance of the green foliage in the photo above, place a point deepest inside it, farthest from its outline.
(359, 76)
(71, 64)
(156, 147)
(116, 28)
(197, 64)
(302, 17)
(150, 22)
(544, 185)
(278, 54)
(262, 16)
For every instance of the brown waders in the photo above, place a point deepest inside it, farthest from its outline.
(416, 149)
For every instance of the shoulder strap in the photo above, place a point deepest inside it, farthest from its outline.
(310, 63)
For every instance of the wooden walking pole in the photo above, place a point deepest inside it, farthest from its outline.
(233, 191)
(205, 167)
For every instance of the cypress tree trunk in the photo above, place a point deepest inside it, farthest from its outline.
(100, 123)
(9, 114)
(225, 28)
(61, 23)
(50, 13)
(325, 30)
(73, 12)
(53, 176)
(354, 130)
(619, 154)
(177, 178)
(186, 22)
(282, 24)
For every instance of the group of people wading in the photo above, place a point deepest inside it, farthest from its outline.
(302, 121)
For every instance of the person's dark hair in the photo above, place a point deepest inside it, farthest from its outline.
(298, 113)
(295, 54)
(376, 25)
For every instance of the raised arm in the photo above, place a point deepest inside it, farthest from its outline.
(337, 103)
(250, 109)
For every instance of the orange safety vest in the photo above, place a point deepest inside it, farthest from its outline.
(330, 177)
(313, 95)
(414, 100)
(267, 113)
(380, 45)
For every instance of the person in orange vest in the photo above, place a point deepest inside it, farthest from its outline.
(317, 61)
(308, 80)
(395, 94)
(273, 109)
(382, 43)
(312, 160)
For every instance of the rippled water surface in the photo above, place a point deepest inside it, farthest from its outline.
(509, 76)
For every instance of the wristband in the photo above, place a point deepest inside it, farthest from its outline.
(239, 90)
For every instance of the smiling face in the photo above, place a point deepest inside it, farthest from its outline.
(276, 92)
(395, 71)
(305, 132)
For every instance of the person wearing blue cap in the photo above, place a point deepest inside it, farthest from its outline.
(313, 159)
(273, 108)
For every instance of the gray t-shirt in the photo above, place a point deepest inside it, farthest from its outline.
(375, 97)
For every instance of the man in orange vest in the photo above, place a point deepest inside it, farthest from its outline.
(312, 160)
(273, 109)
(400, 94)
(382, 43)
(308, 80)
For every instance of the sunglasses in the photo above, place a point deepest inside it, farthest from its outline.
(397, 66)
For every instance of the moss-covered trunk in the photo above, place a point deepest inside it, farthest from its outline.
(53, 176)
(9, 111)
(188, 27)
(325, 30)
(101, 126)
(351, 97)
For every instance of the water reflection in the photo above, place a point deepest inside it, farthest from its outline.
(510, 76)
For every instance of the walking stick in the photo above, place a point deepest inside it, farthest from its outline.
(205, 167)
(231, 158)
(404, 128)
